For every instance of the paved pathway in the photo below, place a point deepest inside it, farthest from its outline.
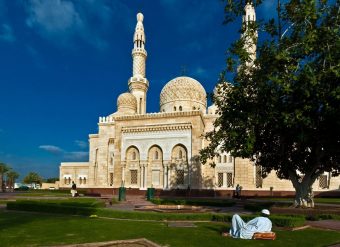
(325, 224)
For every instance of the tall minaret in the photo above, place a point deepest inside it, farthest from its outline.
(248, 18)
(138, 84)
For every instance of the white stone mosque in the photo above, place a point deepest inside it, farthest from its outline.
(141, 150)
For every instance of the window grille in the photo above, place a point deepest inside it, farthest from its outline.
(111, 178)
(179, 177)
(323, 183)
(180, 154)
(258, 177)
(133, 176)
(220, 179)
(229, 179)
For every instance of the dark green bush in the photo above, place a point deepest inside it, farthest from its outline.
(35, 206)
(194, 202)
(257, 207)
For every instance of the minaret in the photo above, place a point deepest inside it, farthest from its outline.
(248, 18)
(138, 84)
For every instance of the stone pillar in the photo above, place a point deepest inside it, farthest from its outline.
(145, 175)
(123, 173)
(141, 177)
(224, 179)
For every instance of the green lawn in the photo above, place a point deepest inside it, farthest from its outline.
(26, 229)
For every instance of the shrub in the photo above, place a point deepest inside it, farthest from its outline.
(34, 206)
(194, 202)
(257, 207)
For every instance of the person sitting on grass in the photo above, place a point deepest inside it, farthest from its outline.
(240, 229)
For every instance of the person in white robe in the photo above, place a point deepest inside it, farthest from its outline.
(241, 229)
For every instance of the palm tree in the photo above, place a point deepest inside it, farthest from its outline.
(11, 177)
(3, 169)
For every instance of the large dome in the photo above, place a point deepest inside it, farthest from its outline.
(127, 103)
(183, 94)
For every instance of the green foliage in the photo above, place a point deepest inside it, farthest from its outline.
(33, 177)
(194, 202)
(51, 180)
(282, 109)
(257, 207)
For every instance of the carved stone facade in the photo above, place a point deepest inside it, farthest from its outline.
(160, 150)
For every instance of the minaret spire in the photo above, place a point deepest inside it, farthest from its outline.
(249, 17)
(138, 84)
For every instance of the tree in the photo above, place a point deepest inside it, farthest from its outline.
(51, 180)
(32, 178)
(3, 169)
(11, 177)
(282, 110)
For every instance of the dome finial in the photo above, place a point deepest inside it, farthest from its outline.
(140, 17)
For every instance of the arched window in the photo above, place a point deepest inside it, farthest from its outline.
(156, 155)
(69, 180)
(84, 180)
(80, 180)
(180, 154)
(180, 108)
(134, 156)
(174, 108)
(219, 158)
(224, 158)
(65, 180)
(194, 108)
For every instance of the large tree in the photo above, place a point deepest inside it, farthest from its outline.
(282, 110)
(11, 177)
(3, 169)
(33, 178)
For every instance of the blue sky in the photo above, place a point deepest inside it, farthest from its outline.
(63, 64)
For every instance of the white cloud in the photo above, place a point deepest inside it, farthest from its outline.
(54, 18)
(52, 149)
(6, 33)
(64, 22)
(76, 155)
(199, 71)
(81, 144)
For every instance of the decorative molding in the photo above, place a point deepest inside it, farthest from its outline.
(157, 127)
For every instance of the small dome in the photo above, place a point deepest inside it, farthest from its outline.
(183, 94)
(127, 103)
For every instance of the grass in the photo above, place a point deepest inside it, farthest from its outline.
(35, 229)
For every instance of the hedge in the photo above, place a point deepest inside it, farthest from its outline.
(194, 202)
(33, 206)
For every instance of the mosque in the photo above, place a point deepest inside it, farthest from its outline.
(140, 150)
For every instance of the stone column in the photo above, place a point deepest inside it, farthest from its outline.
(123, 172)
(145, 165)
(141, 176)
(224, 179)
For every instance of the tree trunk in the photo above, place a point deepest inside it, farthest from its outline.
(1, 182)
(304, 196)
